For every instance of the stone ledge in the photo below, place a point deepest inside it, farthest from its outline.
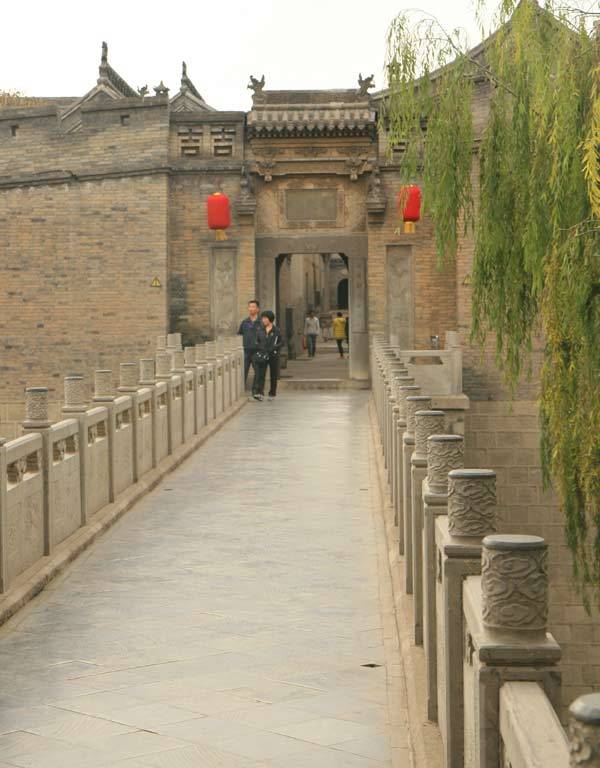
(36, 578)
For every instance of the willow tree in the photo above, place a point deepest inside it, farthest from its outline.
(535, 214)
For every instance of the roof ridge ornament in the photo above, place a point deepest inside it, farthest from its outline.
(257, 88)
(161, 89)
(103, 68)
(365, 83)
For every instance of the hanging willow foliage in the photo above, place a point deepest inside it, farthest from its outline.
(537, 227)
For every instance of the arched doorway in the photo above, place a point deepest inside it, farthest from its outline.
(342, 293)
(269, 251)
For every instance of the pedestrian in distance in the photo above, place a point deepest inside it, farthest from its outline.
(269, 343)
(339, 332)
(312, 328)
(248, 330)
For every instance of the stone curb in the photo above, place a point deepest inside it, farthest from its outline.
(425, 738)
(33, 581)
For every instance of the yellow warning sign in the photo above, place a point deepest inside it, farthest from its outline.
(155, 283)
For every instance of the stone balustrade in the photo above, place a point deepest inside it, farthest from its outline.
(58, 477)
(479, 598)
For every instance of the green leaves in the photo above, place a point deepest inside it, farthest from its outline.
(537, 229)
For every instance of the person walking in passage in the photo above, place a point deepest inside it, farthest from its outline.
(249, 329)
(312, 328)
(269, 342)
(339, 332)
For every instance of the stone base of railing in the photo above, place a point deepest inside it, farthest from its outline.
(30, 583)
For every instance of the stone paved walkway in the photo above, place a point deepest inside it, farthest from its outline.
(226, 620)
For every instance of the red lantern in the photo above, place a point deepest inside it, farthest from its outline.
(409, 198)
(218, 214)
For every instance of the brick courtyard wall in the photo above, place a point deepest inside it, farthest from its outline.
(83, 233)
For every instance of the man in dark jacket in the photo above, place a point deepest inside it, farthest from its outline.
(269, 342)
(248, 330)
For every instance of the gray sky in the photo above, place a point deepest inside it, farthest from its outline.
(52, 47)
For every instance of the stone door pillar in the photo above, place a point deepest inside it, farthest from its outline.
(359, 331)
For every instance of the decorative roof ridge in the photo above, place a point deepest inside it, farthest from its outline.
(187, 83)
(110, 75)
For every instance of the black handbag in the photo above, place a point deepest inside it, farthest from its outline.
(261, 358)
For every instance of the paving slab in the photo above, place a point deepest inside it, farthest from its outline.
(234, 617)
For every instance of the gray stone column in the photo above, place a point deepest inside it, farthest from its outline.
(148, 379)
(471, 497)
(36, 420)
(584, 731)
(189, 360)
(103, 394)
(427, 422)
(444, 453)
(414, 403)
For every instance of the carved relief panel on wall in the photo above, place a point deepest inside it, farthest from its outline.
(223, 291)
(311, 208)
(400, 305)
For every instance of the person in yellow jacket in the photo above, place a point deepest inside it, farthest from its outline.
(339, 332)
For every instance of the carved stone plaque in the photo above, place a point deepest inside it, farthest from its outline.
(223, 291)
(311, 205)
(400, 295)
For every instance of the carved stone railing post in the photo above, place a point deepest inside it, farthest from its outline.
(173, 342)
(206, 357)
(75, 395)
(414, 403)
(75, 406)
(399, 380)
(444, 453)
(189, 363)
(427, 422)
(104, 395)
(403, 391)
(395, 368)
(584, 731)
(148, 380)
(458, 537)
(514, 583)
(161, 343)
(128, 385)
(163, 373)
(471, 502)
(36, 420)
(36, 408)
(505, 616)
